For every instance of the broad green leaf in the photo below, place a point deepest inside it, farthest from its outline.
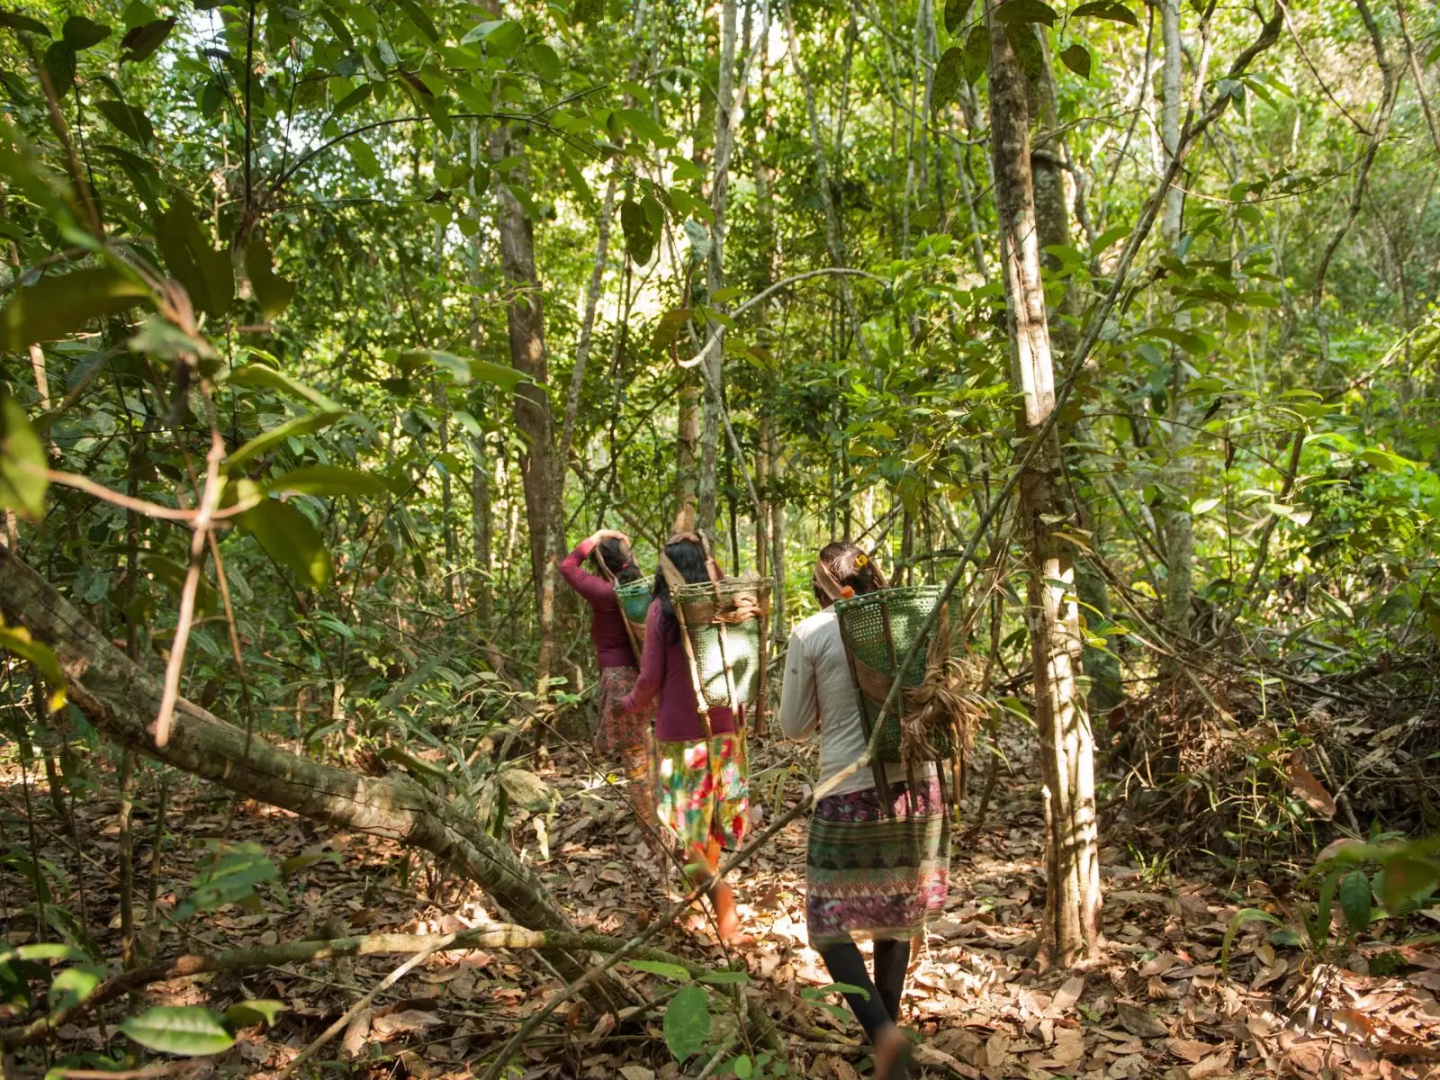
(588, 11)
(185, 1030)
(290, 539)
(639, 237)
(955, 12)
(308, 424)
(128, 120)
(660, 967)
(507, 378)
(59, 63)
(142, 41)
(1025, 40)
(253, 1011)
(18, 640)
(743, 1067)
(74, 985)
(206, 273)
(977, 53)
(724, 978)
(272, 291)
(1013, 12)
(329, 480)
(948, 74)
(417, 766)
(1355, 900)
(226, 880)
(16, 21)
(687, 1022)
(61, 304)
(257, 374)
(669, 326)
(1106, 9)
(81, 33)
(1109, 236)
(1203, 506)
(21, 488)
(1077, 59)
(1241, 917)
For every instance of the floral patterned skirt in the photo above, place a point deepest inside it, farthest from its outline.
(626, 739)
(704, 793)
(873, 876)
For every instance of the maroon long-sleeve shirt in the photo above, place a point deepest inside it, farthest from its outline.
(664, 670)
(607, 621)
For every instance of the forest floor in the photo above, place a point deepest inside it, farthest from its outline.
(1157, 1004)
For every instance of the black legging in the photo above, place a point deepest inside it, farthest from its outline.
(882, 1006)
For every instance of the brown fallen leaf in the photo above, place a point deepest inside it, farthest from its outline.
(637, 1072)
(1304, 784)
(357, 1034)
(1158, 966)
(1066, 997)
(1214, 1065)
(1191, 1050)
(402, 1023)
(1139, 1022)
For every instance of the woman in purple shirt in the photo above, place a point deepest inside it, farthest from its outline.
(622, 737)
(703, 799)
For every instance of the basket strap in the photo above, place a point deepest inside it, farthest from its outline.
(701, 709)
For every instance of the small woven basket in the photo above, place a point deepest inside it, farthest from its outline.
(878, 630)
(724, 622)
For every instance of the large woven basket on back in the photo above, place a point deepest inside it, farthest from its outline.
(634, 600)
(878, 630)
(723, 620)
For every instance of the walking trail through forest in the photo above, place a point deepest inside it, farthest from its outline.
(1157, 1004)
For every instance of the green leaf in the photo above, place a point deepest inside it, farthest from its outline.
(1203, 506)
(588, 11)
(257, 374)
(1355, 900)
(59, 305)
(20, 452)
(503, 376)
(142, 41)
(16, 21)
(272, 291)
(1404, 876)
(660, 967)
(81, 33)
(1108, 237)
(724, 978)
(1106, 9)
(329, 480)
(290, 539)
(1025, 40)
(230, 878)
(1015, 12)
(977, 53)
(687, 1022)
(253, 1011)
(948, 73)
(1077, 59)
(18, 640)
(59, 63)
(501, 37)
(955, 12)
(74, 985)
(669, 326)
(639, 237)
(185, 1030)
(743, 1067)
(308, 424)
(206, 273)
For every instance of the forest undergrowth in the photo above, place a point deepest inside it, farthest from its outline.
(1188, 986)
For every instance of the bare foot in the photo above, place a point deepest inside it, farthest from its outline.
(892, 1053)
(727, 919)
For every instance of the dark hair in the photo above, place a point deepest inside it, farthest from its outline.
(849, 566)
(688, 557)
(618, 558)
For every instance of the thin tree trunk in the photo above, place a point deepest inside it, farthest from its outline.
(715, 267)
(1072, 910)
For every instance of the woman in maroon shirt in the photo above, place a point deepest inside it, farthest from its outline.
(621, 737)
(703, 797)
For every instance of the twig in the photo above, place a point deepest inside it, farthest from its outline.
(174, 668)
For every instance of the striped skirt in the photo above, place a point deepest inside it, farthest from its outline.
(873, 876)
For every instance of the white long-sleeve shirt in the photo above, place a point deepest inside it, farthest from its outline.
(818, 692)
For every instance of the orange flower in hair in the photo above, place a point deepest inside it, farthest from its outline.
(846, 593)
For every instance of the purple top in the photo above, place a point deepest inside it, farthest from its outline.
(607, 622)
(664, 670)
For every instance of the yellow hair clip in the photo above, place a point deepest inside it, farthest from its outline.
(861, 561)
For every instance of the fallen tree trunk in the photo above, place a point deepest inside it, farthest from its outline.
(121, 699)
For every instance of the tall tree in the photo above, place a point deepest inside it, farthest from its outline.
(1067, 751)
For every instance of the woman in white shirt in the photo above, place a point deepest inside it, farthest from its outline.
(869, 874)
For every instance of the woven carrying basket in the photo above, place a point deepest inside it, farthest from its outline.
(634, 600)
(878, 630)
(724, 621)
